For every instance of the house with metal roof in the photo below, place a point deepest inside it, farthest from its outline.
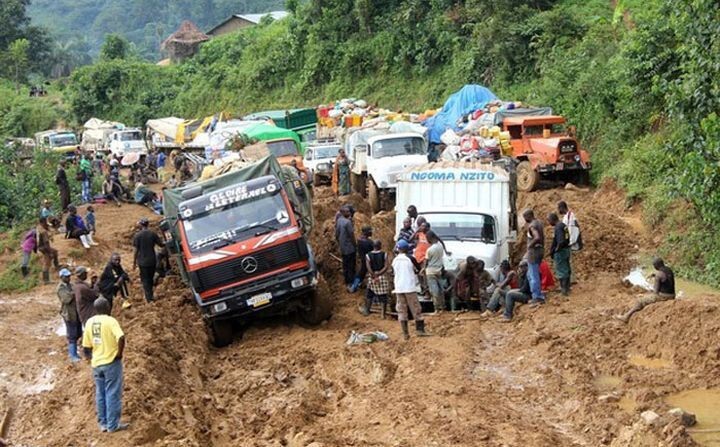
(239, 21)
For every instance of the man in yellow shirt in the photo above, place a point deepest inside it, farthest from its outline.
(104, 343)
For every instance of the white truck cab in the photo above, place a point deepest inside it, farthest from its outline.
(126, 141)
(377, 159)
(470, 205)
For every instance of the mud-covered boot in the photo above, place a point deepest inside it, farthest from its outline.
(46, 276)
(85, 242)
(25, 271)
(420, 328)
(565, 286)
(365, 307)
(405, 330)
(72, 352)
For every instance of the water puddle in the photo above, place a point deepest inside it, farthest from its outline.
(627, 404)
(705, 403)
(606, 382)
(684, 288)
(649, 362)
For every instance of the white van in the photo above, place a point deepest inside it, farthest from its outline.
(470, 205)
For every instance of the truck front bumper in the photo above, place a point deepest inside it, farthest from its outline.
(267, 296)
(564, 167)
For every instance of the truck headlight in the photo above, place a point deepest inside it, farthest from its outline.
(298, 282)
(383, 184)
(577, 157)
(323, 167)
(219, 307)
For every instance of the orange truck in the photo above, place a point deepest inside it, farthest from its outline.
(240, 242)
(543, 147)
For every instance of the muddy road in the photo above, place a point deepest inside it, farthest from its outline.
(563, 374)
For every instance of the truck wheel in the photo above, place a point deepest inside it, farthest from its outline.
(581, 178)
(222, 333)
(357, 183)
(320, 309)
(527, 177)
(374, 196)
(316, 180)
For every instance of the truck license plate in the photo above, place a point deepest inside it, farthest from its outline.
(560, 166)
(259, 300)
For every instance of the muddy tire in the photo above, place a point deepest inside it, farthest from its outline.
(319, 310)
(527, 177)
(374, 196)
(357, 183)
(581, 178)
(222, 333)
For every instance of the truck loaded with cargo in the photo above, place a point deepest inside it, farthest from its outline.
(379, 154)
(470, 205)
(240, 242)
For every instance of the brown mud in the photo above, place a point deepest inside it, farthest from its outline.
(534, 382)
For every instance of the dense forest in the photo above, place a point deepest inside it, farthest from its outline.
(639, 79)
(80, 26)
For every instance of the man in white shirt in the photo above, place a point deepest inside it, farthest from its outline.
(405, 279)
(433, 271)
(569, 219)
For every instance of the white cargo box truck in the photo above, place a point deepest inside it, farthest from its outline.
(470, 205)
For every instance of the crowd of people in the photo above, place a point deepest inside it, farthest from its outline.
(418, 268)
(114, 188)
(415, 269)
(85, 307)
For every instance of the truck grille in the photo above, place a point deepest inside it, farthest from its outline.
(236, 270)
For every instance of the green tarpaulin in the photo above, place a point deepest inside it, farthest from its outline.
(267, 132)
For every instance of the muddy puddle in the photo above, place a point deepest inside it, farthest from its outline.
(606, 382)
(685, 288)
(705, 404)
(649, 362)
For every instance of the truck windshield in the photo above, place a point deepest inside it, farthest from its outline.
(236, 222)
(463, 226)
(63, 140)
(283, 148)
(130, 136)
(398, 146)
(322, 152)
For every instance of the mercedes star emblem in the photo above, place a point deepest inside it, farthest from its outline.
(249, 264)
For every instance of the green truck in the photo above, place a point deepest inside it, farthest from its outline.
(302, 121)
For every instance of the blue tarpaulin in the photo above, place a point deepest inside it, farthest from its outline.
(468, 99)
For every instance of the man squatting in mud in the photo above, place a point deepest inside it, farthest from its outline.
(663, 290)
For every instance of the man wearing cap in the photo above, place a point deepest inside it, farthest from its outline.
(85, 294)
(68, 311)
(145, 258)
(104, 344)
(406, 284)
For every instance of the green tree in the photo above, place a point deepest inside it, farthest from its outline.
(18, 57)
(115, 47)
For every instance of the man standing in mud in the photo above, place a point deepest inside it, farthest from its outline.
(345, 236)
(560, 252)
(406, 283)
(663, 290)
(104, 343)
(535, 249)
(145, 257)
(63, 186)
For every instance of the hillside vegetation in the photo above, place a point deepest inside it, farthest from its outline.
(638, 79)
(83, 24)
